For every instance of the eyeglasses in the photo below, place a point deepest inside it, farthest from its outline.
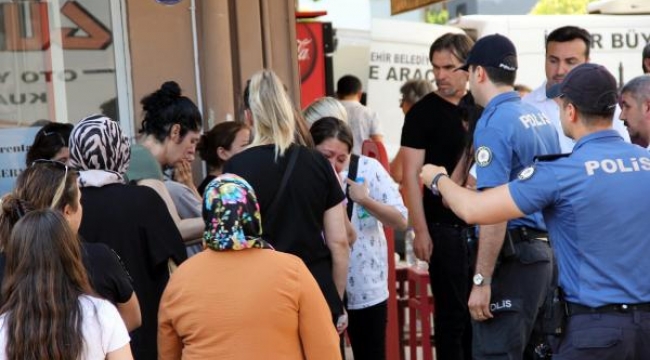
(61, 188)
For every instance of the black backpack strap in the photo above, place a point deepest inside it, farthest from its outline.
(285, 179)
(352, 175)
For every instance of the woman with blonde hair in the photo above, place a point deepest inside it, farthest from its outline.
(299, 194)
(325, 107)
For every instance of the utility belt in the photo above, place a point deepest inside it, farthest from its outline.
(518, 235)
(577, 309)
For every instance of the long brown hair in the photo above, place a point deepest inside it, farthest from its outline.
(44, 277)
(36, 188)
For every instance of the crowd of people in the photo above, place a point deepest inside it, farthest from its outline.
(528, 210)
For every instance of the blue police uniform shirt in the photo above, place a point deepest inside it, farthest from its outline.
(596, 204)
(507, 138)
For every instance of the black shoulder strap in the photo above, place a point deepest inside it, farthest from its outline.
(285, 179)
(550, 157)
(352, 175)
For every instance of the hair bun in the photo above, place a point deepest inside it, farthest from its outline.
(14, 208)
(171, 89)
(168, 93)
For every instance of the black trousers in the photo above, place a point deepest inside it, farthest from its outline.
(450, 271)
(367, 332)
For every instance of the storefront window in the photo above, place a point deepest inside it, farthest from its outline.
(57, 63)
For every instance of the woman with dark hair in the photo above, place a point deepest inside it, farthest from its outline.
(170, 131)
(219, 144)
(49, 310)
(131, 219)
(299, 194)
(49, 184)
(373, 200)
(242, 289)
(51, 142)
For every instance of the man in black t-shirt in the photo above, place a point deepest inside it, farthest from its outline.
(433, 132)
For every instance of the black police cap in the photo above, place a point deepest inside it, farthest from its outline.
(591, 87)
(495, 51)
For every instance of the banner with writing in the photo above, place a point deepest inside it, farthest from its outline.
(14, 147)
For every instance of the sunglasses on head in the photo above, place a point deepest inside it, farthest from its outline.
(61, 188)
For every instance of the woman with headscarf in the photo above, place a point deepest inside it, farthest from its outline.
(240, 299)
(131, 219)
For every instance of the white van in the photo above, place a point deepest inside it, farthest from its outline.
(617, 40)
(391, 53)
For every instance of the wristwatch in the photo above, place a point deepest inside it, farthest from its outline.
(434, 184)
(480, 280)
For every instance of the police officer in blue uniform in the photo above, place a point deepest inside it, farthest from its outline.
(514, 264)
(596, 203)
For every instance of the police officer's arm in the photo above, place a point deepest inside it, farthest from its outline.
(489, 245)
(488, 207)
(413, 159)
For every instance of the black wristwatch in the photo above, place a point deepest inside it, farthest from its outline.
(434, 184)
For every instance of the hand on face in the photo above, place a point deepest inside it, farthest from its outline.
(183, 172)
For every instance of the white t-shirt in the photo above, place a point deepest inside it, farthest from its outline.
(363, 121)
(368, 267)
(549, 107)
(102, 328)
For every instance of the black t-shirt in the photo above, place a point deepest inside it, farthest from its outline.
(204, 184)
(297, 227)
(134, 221)
(435, 125)
(106, 273)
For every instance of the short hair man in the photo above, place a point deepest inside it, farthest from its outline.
(516, 254)
(363, 121)
(433, 132)
(603, 270)
(646, 59)
(566, 48)
(635, 109)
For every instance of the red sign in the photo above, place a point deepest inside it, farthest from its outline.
(311, 61)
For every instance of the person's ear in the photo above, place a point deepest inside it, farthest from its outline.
(572, 113)
(68, 211)
(222, 153)
(175, 132)
(248, 117)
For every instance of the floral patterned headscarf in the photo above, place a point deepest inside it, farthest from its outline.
(232, 215)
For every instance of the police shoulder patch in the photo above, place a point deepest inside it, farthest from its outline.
(483, 156)
(526, 173)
